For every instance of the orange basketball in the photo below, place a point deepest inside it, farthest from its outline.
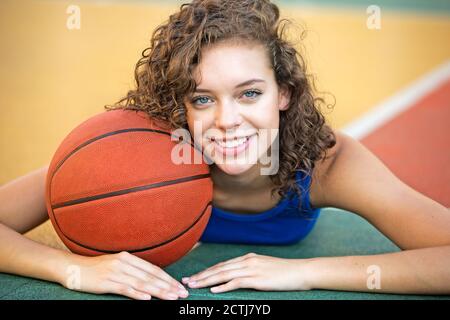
(112, 186)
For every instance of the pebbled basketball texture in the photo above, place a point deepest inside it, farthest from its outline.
(112, 186)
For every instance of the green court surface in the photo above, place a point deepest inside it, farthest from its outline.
(337, 233)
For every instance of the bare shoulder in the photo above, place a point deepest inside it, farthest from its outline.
(321, 171)
(352, 178)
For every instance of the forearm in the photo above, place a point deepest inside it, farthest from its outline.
(22, 256)
(419, 271)
(23, 201)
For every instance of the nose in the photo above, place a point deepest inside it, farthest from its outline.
(228, 116)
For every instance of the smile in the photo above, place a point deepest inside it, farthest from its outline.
(232, 146)
(231, 143)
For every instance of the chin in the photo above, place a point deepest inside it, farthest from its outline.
(234, 169)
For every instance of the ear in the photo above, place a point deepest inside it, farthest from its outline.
(284, 97)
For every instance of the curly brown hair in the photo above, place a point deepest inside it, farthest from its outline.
(164, 76)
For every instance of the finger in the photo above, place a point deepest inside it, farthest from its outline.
(124, 290)
(220, 277)
(232, 285)
(224, 263)
(150, 268)
(146, 277)
(145, 287)
(215, 270)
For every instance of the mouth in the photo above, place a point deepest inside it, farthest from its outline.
(232, 146)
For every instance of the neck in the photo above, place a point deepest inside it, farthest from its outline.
(247, 181)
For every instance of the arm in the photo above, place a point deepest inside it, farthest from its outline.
(355, 180)
(416, 271)
(23, 207)
(25, 257)
(23, 201)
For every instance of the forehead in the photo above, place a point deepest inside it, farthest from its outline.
(232, 63)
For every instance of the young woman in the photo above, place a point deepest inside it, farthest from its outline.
(225, 65)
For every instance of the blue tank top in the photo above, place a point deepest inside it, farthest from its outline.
(284, 224)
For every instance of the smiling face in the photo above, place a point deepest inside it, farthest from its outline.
(235, 105)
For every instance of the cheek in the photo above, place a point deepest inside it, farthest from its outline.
(197, 124)
(269, 115)
(269, 118)
(267, 123)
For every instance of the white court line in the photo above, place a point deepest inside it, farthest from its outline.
(399, 102)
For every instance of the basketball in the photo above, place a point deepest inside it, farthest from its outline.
(112, 186)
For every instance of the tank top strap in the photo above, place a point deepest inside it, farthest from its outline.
(304, 183)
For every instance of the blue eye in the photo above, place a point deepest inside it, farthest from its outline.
(203, 99)
(195, 100)
(257, 93)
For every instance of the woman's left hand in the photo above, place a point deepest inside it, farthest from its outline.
(253, 271)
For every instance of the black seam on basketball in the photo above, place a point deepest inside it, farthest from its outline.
(111, 134)
(89, 142)
(146, 248)
(130, 190)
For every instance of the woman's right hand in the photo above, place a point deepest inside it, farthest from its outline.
(23, 207)
(123, 274)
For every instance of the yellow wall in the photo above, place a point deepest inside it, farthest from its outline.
(52, 78)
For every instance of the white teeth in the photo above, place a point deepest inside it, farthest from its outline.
(232, 143)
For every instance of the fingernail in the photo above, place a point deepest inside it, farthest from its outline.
(183, 293)
(185, 280)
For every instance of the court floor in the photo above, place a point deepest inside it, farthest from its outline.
(330, 237)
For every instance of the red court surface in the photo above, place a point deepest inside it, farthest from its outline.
(415, 145)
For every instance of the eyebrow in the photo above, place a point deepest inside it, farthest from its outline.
(245, 83)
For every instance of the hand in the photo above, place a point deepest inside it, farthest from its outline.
(123, 274)
(253, 271)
